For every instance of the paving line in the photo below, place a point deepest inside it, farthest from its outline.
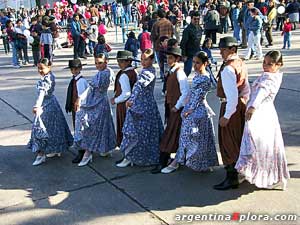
(16, 110)
(129, 196)
(3, 128)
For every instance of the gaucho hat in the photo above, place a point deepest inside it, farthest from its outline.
(75, 63)
(227, 42)
(125, 55)
(176, 51)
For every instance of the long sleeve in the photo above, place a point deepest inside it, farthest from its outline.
(184, 88)
(39, 99)
(126, 90)
(231, 92)
(258, 97)
(42, 86)
(81, 85)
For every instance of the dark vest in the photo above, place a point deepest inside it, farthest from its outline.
(72, 95)
(240, 72)
(132, 76)
(173, 88)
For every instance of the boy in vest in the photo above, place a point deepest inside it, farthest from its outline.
(177, 88)
(124, 82)
(76, 87)
(233, 90)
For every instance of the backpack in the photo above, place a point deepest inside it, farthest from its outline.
(145, 41)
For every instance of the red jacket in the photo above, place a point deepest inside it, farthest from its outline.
(287, 27)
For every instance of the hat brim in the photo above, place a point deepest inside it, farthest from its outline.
(68, 67)
(173, 53)
(132, 59)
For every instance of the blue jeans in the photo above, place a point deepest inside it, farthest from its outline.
(127, 12)
(236, 31)
(224, 24)
(287, 39)
(14, 54)
(188, 64)
(92, 45)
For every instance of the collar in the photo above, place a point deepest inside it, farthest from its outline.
(235, 56)
(129, 68)
(172, 70)
(77, 76)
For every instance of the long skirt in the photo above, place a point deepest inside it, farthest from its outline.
(50, 131)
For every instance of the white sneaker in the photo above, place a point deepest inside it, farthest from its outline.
(86, 160)
(170, 168)
(124, 163)
(39, 160)
(51, 155)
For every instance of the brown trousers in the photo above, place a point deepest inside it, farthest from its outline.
(121, 114)
(170, 139)
(230, 137)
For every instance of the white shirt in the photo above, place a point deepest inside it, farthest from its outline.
(125, 86)
(81, 84)
(232, 94)
(183, 85)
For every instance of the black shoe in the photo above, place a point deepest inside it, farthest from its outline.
(228, 183)
(117, 162)
(79, 157)
(83, 57)
(231, 181)
(157, 169)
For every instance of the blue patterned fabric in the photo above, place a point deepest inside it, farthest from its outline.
(50, 131)
(143, 126)
(96, 122)
(197, 148)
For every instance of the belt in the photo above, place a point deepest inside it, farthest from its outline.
(222, 100)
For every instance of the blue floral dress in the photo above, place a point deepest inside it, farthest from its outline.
(96, 122)
(143, 126)
(50, 132)
(197, 148)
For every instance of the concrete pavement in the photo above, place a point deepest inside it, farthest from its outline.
(58, 192)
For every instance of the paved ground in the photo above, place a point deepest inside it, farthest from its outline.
(59, 192)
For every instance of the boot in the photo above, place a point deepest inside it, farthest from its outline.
(231, 180)
(79, 156)
(163, 162)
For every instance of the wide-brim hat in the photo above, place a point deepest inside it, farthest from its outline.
(125, 55)
(227, 42)
(75, 63)
(176, 51)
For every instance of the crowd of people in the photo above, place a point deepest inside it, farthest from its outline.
(249, 148)
(250, 21)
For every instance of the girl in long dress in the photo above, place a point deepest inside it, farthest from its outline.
(262, 157)
(50, 132)
(97, 126)
(197, 148)
(143, 126)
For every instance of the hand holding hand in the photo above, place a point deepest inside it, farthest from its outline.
(128, 104)
(174, 109)
(223, 121)
(112, 101)
(249, 113)
(187, 113)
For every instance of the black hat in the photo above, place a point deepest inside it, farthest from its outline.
(125, 55)
(176, 51)
(75, 63)
(250, 1)
(227, 42)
